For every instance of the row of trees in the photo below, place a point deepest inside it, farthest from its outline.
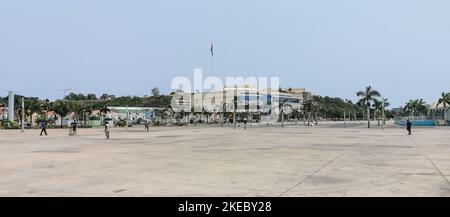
(80, 109)
(317, 106)
(418, 107)
(414, 107)
(329, 108)
(82, 105)
(335, 108)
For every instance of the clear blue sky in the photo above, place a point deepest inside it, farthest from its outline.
(335, 48)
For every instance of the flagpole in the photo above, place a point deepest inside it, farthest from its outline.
(211, 66)
(211, 60)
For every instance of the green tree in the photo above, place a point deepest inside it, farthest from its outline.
(60, 107)
(78, 108)
(91, 96)
(104, 110)
(155, 91)
(367, 97)
(32, 106)
(380, 108)
(415, 107)
(377, 106)
(444, 100)
(295, 114)
(386, 104)
(44, 106)
(106, 96)
(310, 108)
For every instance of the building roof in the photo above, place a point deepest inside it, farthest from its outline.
(132, 109)
(435, 105)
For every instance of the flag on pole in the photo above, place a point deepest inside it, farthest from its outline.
(212, 49)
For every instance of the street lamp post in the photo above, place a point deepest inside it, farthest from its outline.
(222, 119)
(282, 112)
(344, 119)
(11, 96)
(127, 119)
(223, 115)
(64, 92)
(23, 114)
(234, 105)
(383, 113)
(11, 106)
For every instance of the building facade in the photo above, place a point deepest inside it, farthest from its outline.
(243, 99)
(439, 113)
(132, 114)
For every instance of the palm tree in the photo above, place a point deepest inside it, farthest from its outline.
(103, 111)
(307, 108)
(315, 109)
(60, 107)
(444, 100)
(385, 104)
(420, 106)
(296, 114)
(367, 97)
(45, 104)
(311, 107)
(379, 107)
(415, 107)
(32, 106)
(78, 109)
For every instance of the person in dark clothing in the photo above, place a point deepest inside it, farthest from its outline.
(44, 127)
(408, 126)
(74, 127)
(146, 125)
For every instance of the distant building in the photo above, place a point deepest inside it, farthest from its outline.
(398, 111)
(440, 114)
(3, 112)
(249, 100)
(133, 114)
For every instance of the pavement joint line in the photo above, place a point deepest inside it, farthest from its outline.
(431, 162)
(312, 174)
(150, 167)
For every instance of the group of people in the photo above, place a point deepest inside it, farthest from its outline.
(73, 128)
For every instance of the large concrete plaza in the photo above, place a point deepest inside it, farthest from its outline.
(214, 161)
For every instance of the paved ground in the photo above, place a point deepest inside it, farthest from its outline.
(213, 161)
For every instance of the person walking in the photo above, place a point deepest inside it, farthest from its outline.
(74, 127)
(106, 130)
(44, 127)
(408, 126)
(146, 125)
(70, 129)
